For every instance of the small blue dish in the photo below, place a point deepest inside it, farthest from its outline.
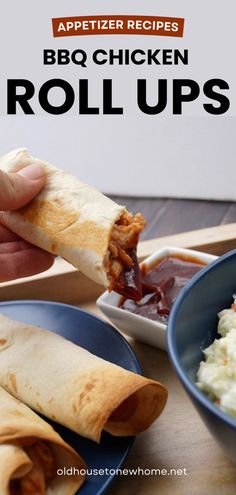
(101, 339)
(192, 327)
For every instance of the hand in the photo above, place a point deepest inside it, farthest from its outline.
(19, 258)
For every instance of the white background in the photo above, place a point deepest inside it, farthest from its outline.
(192, 155)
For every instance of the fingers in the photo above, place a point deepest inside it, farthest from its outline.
(14, 246)
(17, 189)
(24, 262)
(6, 235)
(18, 258)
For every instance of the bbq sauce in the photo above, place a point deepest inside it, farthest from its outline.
(160, 286)
(129, 283)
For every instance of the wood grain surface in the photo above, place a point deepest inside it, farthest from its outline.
(170, 216)
(178, 439)
(64, 283)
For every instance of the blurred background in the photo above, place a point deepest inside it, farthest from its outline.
(172, 216)
(162, 165)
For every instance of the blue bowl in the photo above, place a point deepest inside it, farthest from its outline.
(192, 327)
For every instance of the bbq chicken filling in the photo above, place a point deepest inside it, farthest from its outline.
(122, 264)
(36, 481)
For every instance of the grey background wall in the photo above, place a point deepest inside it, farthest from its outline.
(192, 155)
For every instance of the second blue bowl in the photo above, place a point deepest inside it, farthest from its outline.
(192, 327)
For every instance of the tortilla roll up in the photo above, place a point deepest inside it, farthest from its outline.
(31, 452)
(74, 387)
(75, 221)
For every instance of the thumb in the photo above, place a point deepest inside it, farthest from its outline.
(17, 189)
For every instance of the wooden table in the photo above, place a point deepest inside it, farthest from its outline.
(178, 439)
(170, 216)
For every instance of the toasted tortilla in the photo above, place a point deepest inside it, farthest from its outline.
(14, 464)
(68, 218)
(74, 387)
(21, 427)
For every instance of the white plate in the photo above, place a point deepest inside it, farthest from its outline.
(136, 326)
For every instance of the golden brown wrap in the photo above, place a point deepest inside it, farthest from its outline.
(75, 221)
(31, 452)
(74, 387)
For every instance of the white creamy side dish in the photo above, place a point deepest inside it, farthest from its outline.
(217, 374)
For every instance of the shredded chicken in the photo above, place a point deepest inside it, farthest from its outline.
(124, 237)
(34, 483)
(44, 453)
